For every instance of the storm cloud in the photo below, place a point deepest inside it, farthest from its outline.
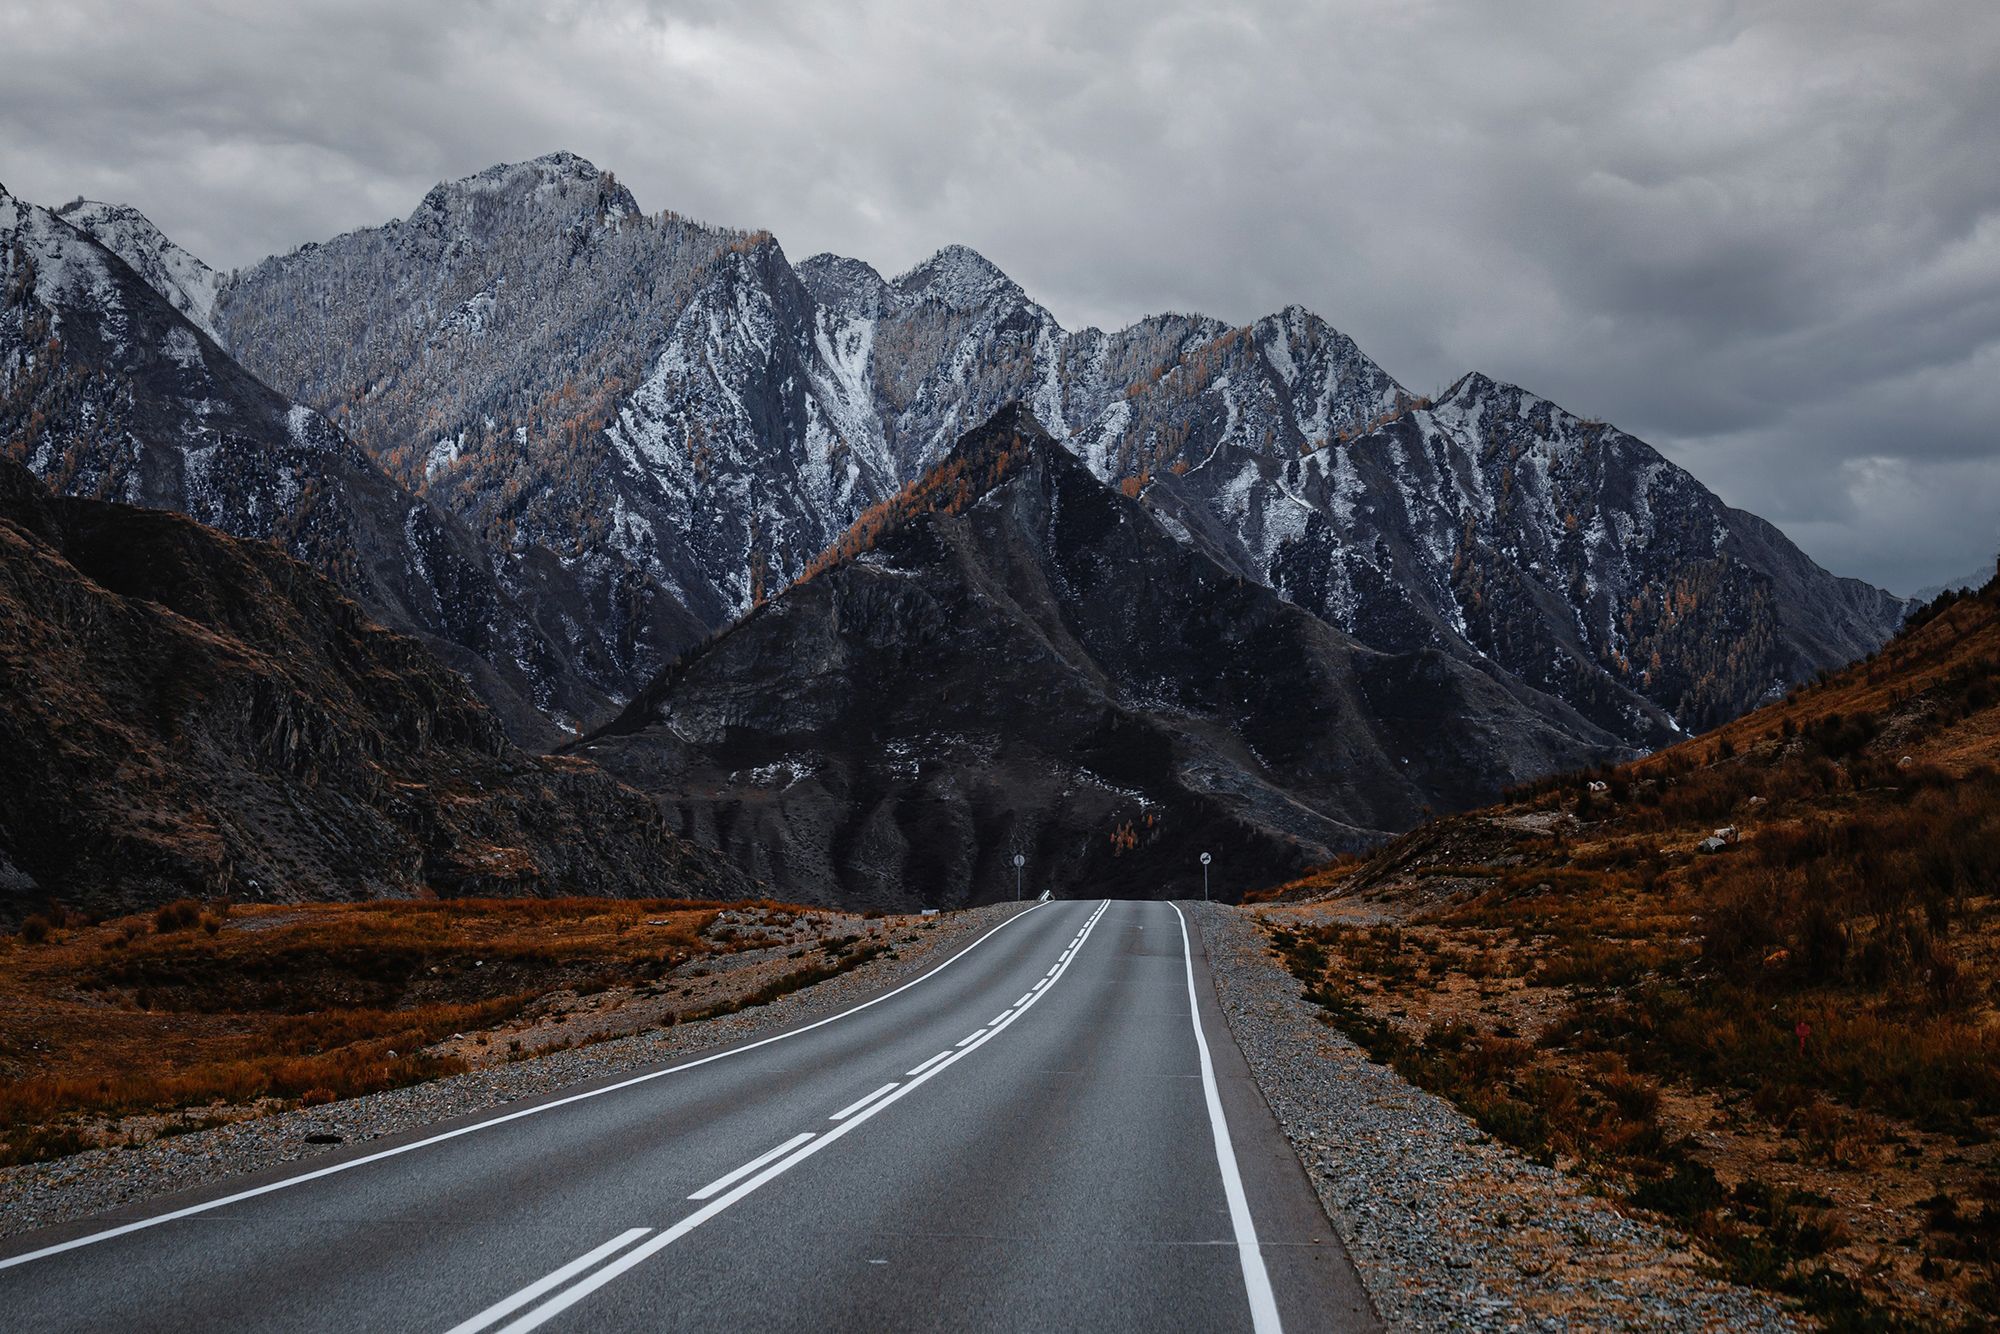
(1765, 237)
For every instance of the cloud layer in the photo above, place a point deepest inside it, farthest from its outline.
(1764, 236)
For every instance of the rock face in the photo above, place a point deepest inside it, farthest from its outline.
(1010, 655)
(680, 420)
(183, 713)
(110, 389)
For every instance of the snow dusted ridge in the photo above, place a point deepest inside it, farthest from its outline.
(677, 419)
(110, 390)
(190, 285)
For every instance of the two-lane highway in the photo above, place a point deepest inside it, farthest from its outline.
(1050, 1130)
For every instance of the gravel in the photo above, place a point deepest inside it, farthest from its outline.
(1449, 1228)
(40, 1194)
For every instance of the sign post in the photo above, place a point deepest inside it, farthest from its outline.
(1204, 877)
(1019, 862)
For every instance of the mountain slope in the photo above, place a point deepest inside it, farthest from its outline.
(1009, 654)
(1748, 982)
(186, 714)
(680, 419)
(108, 391)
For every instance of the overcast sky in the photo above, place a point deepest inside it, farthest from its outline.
(1765, 237)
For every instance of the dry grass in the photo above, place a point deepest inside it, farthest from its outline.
(1790, 1047)
(114, 1030)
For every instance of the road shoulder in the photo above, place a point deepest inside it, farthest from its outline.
(1447, 1228)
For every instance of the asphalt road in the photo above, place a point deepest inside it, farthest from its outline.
(1040, 1134)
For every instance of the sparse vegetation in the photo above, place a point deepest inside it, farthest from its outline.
(1747, 984)
(143, 1025)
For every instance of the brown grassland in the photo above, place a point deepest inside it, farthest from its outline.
(119, 1031)
(1785, 1042)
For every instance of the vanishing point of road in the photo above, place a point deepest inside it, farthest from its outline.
(1050, 1130)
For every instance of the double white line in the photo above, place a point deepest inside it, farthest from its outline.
(726, 1190)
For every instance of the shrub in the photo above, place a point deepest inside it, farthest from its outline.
(176, 916)
(35, 930)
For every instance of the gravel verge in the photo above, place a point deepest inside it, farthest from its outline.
(65, 1189)
(1449, 1228)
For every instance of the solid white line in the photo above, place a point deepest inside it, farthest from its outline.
(1263, 1305)
(928, 1064)
(963, 1042)
(998, 1017)
(1026, 996)
(380, 1154)
(1066, 953)
(508, 1305)
(1039, 985)
(728, 1179)
(569, 1297)
(1052, 968)
(859, 1103)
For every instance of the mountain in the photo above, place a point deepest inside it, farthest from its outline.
(678, 419)
(1965, 583)
(187, 714)
(1010, 655)
(109, 390)
(189, 285)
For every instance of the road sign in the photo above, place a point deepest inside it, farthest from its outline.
(1019, 861)
(1204, 877)
(1204, 859)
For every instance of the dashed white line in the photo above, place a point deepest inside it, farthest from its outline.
(1026, 996)
(861, 1102)
(125, 1229)
(515, 1301)
(1000, 1016)
(728, 1179)
(968, 1041)
(928, 1064)
(653, 1245)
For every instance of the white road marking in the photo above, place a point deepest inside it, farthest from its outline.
(728, 1179)
(333, 1169)
(998, 1017)
(967, 1041)
(1025, 998)
(861, 1102)
(653, 1245)
(931, 1062)
(508, 1305)
(1039, 985)
(1263, 1305)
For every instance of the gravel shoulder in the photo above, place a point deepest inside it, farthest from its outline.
(84, 1184)
(1448, 1228)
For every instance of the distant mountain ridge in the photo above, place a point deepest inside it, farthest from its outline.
(1009, 656)
(675, 420)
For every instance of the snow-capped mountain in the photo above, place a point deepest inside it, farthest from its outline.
(1012, 656)
(109, 391)
(187, 283)
(675, 419)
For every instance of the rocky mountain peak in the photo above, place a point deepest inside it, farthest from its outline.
(189, 285)
(958, 278)
(849, 287)
(559, 182)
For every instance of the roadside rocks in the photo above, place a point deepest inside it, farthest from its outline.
(1449, 1229)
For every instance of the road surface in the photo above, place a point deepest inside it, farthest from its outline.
(1051, 1130)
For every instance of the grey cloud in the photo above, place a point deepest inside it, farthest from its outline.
(1765, 236)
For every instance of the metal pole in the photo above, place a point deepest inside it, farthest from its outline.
(1204, 877)
(1019, 861)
